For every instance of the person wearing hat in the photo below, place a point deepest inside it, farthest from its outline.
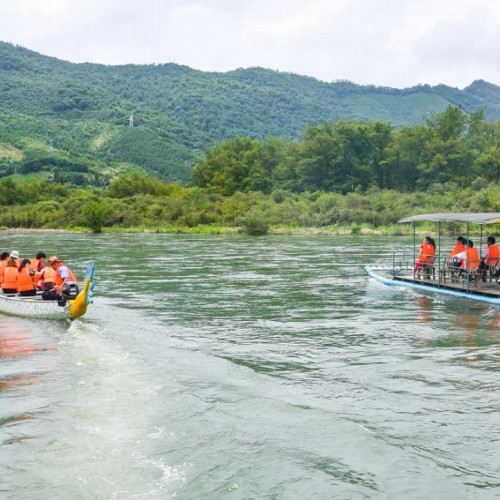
(10, 273)
(47, 280)
(54, 276)
(15, 256)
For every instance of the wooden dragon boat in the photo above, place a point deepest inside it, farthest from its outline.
(35, 307)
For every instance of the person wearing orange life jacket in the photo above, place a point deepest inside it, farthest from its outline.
(4, 257)
(469, 258)
(37, 266)
(25, 285)
(46, 279)
(38, 263)
(15, 255)
(9, 279)
(61, 274)
(460, 246)
(427, 252)
(489, 257)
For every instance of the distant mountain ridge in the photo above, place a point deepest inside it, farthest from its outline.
(78, 113)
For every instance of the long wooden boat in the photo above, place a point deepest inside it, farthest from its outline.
(440, 279)
(36, 307)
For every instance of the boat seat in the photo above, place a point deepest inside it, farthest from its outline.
(427, 269)
(449, 269)
(490, 273)
(473, 273)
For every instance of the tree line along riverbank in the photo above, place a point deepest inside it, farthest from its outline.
(342, 178)
(139, 203)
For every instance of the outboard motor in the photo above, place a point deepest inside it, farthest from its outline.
(69, 292)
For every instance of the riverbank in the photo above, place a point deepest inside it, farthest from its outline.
(353, 230)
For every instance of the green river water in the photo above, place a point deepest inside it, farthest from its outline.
(231, 367)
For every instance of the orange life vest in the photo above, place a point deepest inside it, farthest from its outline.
(472, 260)
(493, 255)
(38, 280)
(3, 265)
(458, 248)
(24, 280)
(72, 277)
(427, 252)
(10, 278)
(48, 275)
(37, 264)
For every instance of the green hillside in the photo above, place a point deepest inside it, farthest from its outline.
(69, 121)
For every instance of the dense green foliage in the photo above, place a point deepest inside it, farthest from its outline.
(452, 149)
(68, 122)
(340, 174)
(135, 201)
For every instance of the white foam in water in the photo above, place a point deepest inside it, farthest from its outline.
(96, 431)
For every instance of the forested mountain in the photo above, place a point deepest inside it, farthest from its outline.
(69, 122)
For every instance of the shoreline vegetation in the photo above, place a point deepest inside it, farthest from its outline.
(139, 204)
(403, 230)
(343, 178)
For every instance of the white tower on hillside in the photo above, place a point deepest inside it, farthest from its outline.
(131, 121)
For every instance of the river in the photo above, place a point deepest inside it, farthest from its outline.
(232, 367)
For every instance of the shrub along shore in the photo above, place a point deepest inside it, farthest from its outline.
(135, 203)
(365, 230)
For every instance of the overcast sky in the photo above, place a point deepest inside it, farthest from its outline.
(396, 43)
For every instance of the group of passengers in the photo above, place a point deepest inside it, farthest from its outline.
(29, 276)
(464, 256)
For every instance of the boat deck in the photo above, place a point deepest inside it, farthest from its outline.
(487, 289)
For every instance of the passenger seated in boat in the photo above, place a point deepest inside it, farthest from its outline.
(37, 266)
(25, 285)
(9, 276)
(427, 253)
(489, 257)
(15, 255)
(460, 246)
(55, 276)
(469, 258)
(38, 263)
(4, 257)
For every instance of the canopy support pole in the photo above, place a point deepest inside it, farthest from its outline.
(414, 250)
(439, 254)
(467, 258)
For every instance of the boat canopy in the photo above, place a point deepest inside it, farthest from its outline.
(476, 218)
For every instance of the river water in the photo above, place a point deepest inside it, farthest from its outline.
(231, 367)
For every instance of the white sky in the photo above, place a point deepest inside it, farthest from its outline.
(396, 43)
